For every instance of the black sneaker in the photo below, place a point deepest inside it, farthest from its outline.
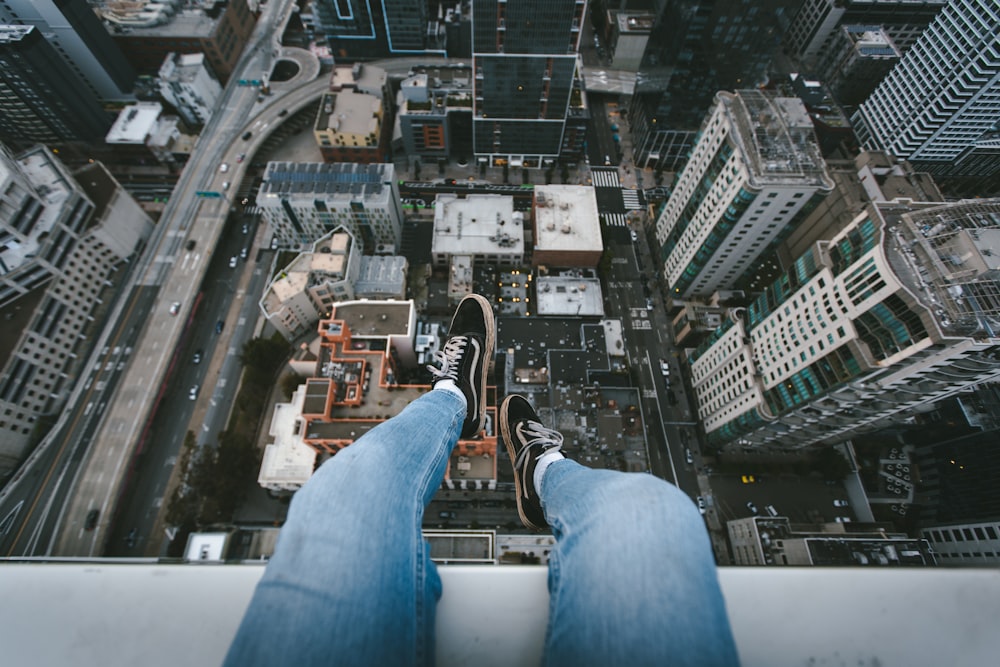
(526, 440)
(466, 357)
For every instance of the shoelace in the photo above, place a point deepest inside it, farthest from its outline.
(447, 359)
(535, 434)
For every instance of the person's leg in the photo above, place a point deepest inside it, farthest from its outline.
(350, 582)
(632, 578)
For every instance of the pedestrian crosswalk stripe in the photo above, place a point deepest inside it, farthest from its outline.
(614, 219)
(631, 199)
(605, 178)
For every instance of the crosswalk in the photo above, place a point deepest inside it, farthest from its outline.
(605, 178)
(631, 200)
(614, 219)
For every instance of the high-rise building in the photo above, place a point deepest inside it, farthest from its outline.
(190, 87)
(527, 95)
(360, 29)
(754, 174)
(695, 49)
(82, 42)
(857, 62)
(304, 201)
(897, 311)
(41, 98)
(815, 27)
(70, 230)
(939, 107)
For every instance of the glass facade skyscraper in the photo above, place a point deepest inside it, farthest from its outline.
(525, 61)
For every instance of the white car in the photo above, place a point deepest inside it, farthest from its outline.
(224, 167)
(232, 262)
(175, 307)
(193, 392)
(688, 457)
(701, 504)
(840, 503)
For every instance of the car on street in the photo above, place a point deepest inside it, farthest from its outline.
(218, 326)
(175, 307)
(842, 519)
(243, 253)
(447, 515)
(247, 135)
(193, 392)
(91, 522)
(190, 244)
(701, 505)
(130, 538)
(232, 262)
(748, 479)
(688, 457)
(241, 157)
(225, 185)
(246, 228)
(196, 359)
(840, 503)
(771, 511)
(224, 167)
(752, 508)
(274, 243)
(635, 237)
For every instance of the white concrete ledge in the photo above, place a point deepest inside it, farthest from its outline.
(151, 615)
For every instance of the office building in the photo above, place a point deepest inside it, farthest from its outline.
(72, 231)
(940, 111)
(695, 49)
(760, 540)
(857, 62)
(353, 123)
(526, 85)
(147, 32)
(42, 99)
(187, 84)
(434, 114)
(365, 30)
(567, 229)
(816, 25)
(83, 44)
(304, 201)
(753, 175)
(483, 228)
(895, 312)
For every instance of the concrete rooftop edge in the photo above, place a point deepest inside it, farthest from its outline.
(126, 614)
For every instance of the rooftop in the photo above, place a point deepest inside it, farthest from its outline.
(348, 112)
(118, 614)
(776, 137)
(359, 76)
(135, 123)
(331, 179)
(479, 224)
(566, 218)
(151, 18)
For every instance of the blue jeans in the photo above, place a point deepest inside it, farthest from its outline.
(631, 580)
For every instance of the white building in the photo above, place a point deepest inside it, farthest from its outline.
(304, 201)
(753, 175)
(190, 87)
(333, 270)
(77, 231)
(900, 309)
(483, 227)
(939, 106)
(288, 462)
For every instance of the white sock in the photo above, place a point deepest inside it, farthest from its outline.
(450, 386)
(543, 463)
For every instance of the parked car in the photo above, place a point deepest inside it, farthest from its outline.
(701, 505)
(770, 510)
(752, 508)
(447, 515)
(218, 326)
(688, 457)
(747, 479)
(840, 503)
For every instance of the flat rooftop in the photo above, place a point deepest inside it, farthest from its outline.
(348, 112)
(135, 123)
(480, 224)
(569, 296)
(336, 178)
(566, 218)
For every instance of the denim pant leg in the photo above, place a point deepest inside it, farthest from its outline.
(351, 581)
(632, 579)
